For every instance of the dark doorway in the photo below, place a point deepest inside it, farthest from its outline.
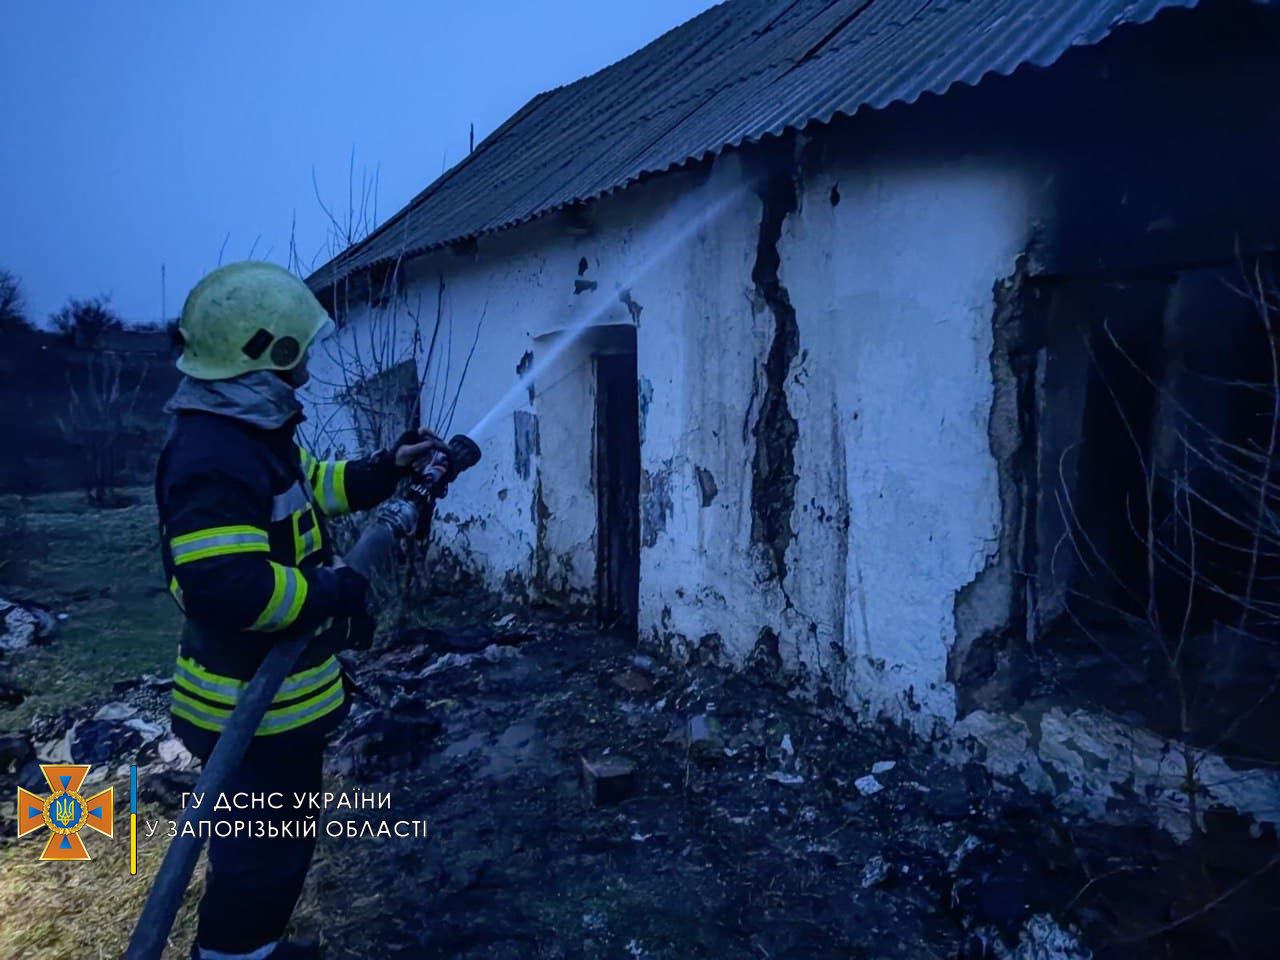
(617, 467)
(1157, 556)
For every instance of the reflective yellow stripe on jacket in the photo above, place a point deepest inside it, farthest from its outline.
(206, 699)
(328, 480)
(289, 586)
(218, 542)
(287, 597)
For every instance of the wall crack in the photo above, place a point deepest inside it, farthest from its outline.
(773, 469)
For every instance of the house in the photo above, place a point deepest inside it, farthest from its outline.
(843, 337)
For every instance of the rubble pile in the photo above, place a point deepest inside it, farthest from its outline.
(131, 728)
(24, 624)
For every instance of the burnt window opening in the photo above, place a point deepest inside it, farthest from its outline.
(1153, 588)
(385, 404)
(1120, 360)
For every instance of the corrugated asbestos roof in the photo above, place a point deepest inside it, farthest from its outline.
(740, 71)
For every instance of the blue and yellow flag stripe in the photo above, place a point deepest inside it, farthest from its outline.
(133, 820)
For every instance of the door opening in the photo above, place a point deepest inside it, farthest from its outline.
(617, 469)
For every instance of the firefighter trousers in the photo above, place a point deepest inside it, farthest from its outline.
(254, 877)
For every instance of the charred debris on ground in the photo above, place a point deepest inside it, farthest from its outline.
(589, 799)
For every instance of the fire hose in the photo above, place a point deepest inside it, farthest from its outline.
(401, 519)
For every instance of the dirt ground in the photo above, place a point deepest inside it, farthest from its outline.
(749, 834)
(745, 835)
(749, 829)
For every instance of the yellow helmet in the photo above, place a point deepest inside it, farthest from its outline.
(248, 316)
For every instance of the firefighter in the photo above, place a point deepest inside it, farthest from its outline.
(249, 561)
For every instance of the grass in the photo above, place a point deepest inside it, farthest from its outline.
(85, 911)
(102, 569)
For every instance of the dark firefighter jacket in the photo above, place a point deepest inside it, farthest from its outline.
(245, 553)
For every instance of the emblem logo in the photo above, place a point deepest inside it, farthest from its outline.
(65, 811)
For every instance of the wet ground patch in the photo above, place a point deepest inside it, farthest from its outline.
(755, 825)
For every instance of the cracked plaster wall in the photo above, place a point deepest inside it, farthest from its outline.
(891, 487)
(893, 287)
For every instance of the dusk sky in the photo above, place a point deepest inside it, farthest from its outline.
(137, 134)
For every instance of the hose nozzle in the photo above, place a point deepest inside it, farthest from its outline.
(464, 454)
(410, 515)
(432, 479)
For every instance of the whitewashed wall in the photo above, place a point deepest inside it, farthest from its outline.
(893, 290)
(897, 504)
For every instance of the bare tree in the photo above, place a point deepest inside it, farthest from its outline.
(389, 367)
(85, 321)
(345, 225)
(100, 420)
(13, 308)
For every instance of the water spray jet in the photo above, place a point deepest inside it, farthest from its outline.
(570, 335)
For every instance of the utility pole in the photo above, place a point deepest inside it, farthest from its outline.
(472, 144)
(164, 313)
